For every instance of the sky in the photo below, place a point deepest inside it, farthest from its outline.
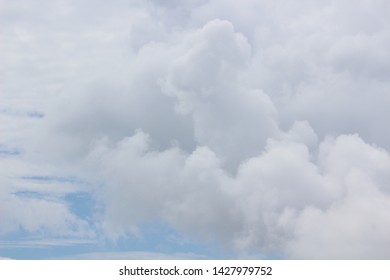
(199, 129)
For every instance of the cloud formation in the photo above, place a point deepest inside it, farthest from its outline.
(258, 125)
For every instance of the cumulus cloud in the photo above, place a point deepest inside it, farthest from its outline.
(258, 125)
(205, 82)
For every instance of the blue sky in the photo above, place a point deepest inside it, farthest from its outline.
(194, 129)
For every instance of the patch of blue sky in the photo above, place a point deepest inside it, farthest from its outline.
(6, 151)
(35, 114)
(82, 204)
(59, 179)
(32, 195)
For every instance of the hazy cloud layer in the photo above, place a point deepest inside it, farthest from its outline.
(259, 125)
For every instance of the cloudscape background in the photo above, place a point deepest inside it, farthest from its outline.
(195, 129)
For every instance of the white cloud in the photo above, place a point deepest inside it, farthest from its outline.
(320, 208)
(354, 228)
(262, 125)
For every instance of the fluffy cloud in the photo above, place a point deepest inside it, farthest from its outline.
(205, 82)
(332, 202)
(258, 125)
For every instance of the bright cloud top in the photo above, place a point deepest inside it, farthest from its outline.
(258, 126)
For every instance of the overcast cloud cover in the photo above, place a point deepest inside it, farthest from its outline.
(256, 128)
